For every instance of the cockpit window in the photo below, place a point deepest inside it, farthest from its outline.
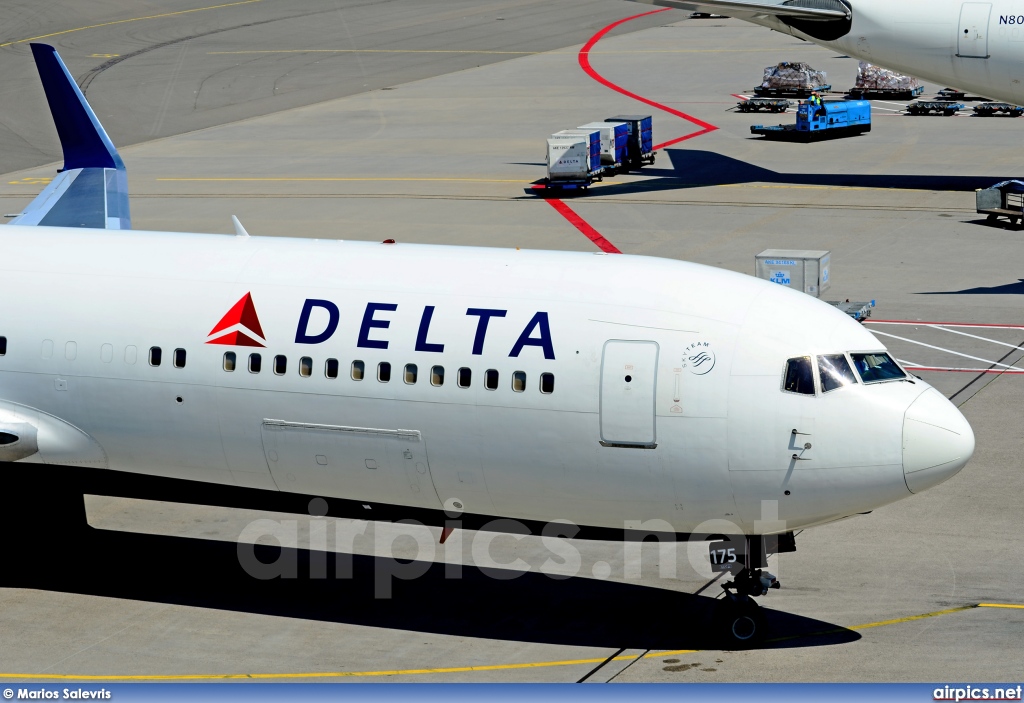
(799, 376)
(877, 367)
(835, 372)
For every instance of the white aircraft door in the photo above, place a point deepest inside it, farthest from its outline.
(358, 463)
(974, 19)
(629, 376)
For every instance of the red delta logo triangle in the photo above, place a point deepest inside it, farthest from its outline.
(240, 326)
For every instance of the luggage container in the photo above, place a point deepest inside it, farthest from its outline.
(574, 158)
(640, 149)
(833, 118)
(614, 143)
(799, 269)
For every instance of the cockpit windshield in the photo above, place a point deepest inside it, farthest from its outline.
(835, 372)
(876, 367)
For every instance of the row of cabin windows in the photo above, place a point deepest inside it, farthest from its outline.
(410, 373)
(156, 354)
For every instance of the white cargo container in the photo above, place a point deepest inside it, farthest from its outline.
(801, 269)
(614, 136)
(571, 154)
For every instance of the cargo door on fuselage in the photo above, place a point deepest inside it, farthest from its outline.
(356, 463)
(629, 377)
(973, 38)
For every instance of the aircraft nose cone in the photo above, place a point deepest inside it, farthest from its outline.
(937, 441)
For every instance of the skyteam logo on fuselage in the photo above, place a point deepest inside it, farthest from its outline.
(377, 318)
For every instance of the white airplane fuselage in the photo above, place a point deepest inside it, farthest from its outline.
(974, 46)
(666, 399)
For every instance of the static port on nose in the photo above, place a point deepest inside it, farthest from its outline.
(937, 441)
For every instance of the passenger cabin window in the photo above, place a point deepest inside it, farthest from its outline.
(280, 364)
(799, 376)
(155, 356)
(229, 361)
(877, 367)
(358, 370)
(383, 372)
(255, 363)
(547, 383)
(179, 358)
(410, 374)
(3, 346)
(835, 372)
(305, 367)
(437, 376)
(491, 379)
(465, 377)
(519, 381)
(331, 368)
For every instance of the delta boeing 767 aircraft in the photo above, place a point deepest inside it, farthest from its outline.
(623, 394)
(973, 46)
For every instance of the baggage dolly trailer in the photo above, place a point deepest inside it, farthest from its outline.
(1004, 199)
(640, 145)
(764, 105)
(993, 109)
(947, 108)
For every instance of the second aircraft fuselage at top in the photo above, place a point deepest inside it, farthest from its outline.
(973, 46)
(532, 385)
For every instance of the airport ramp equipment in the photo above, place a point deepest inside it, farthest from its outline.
(877, 82)
(1001, 109)
(947, 108)
(793, 79)
(574, 159)
(805, 270)
(640, 147)
(859, 311)
(764, 105)
(614, 143)
(832, 119)
(1004, 199)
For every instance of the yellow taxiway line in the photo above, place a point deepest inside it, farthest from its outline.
(332, 179)
(133, 19)
(468, 669)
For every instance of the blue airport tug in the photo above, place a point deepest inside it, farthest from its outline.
(822, 120)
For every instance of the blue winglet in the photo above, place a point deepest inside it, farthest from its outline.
(85, 142)
(92, 188)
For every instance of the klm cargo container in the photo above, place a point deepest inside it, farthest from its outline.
(640, 147)
(835, 118)
(614, 143)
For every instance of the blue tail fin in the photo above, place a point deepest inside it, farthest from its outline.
(92, 188)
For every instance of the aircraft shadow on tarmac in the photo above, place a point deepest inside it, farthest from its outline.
(1005, 289)
(495, 604)
(693, 168)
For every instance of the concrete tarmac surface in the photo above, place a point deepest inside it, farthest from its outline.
(425, 121)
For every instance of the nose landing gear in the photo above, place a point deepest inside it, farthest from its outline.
(739, 621)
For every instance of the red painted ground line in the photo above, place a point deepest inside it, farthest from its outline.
(584, 58)
(581, 224)
(944, 324)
